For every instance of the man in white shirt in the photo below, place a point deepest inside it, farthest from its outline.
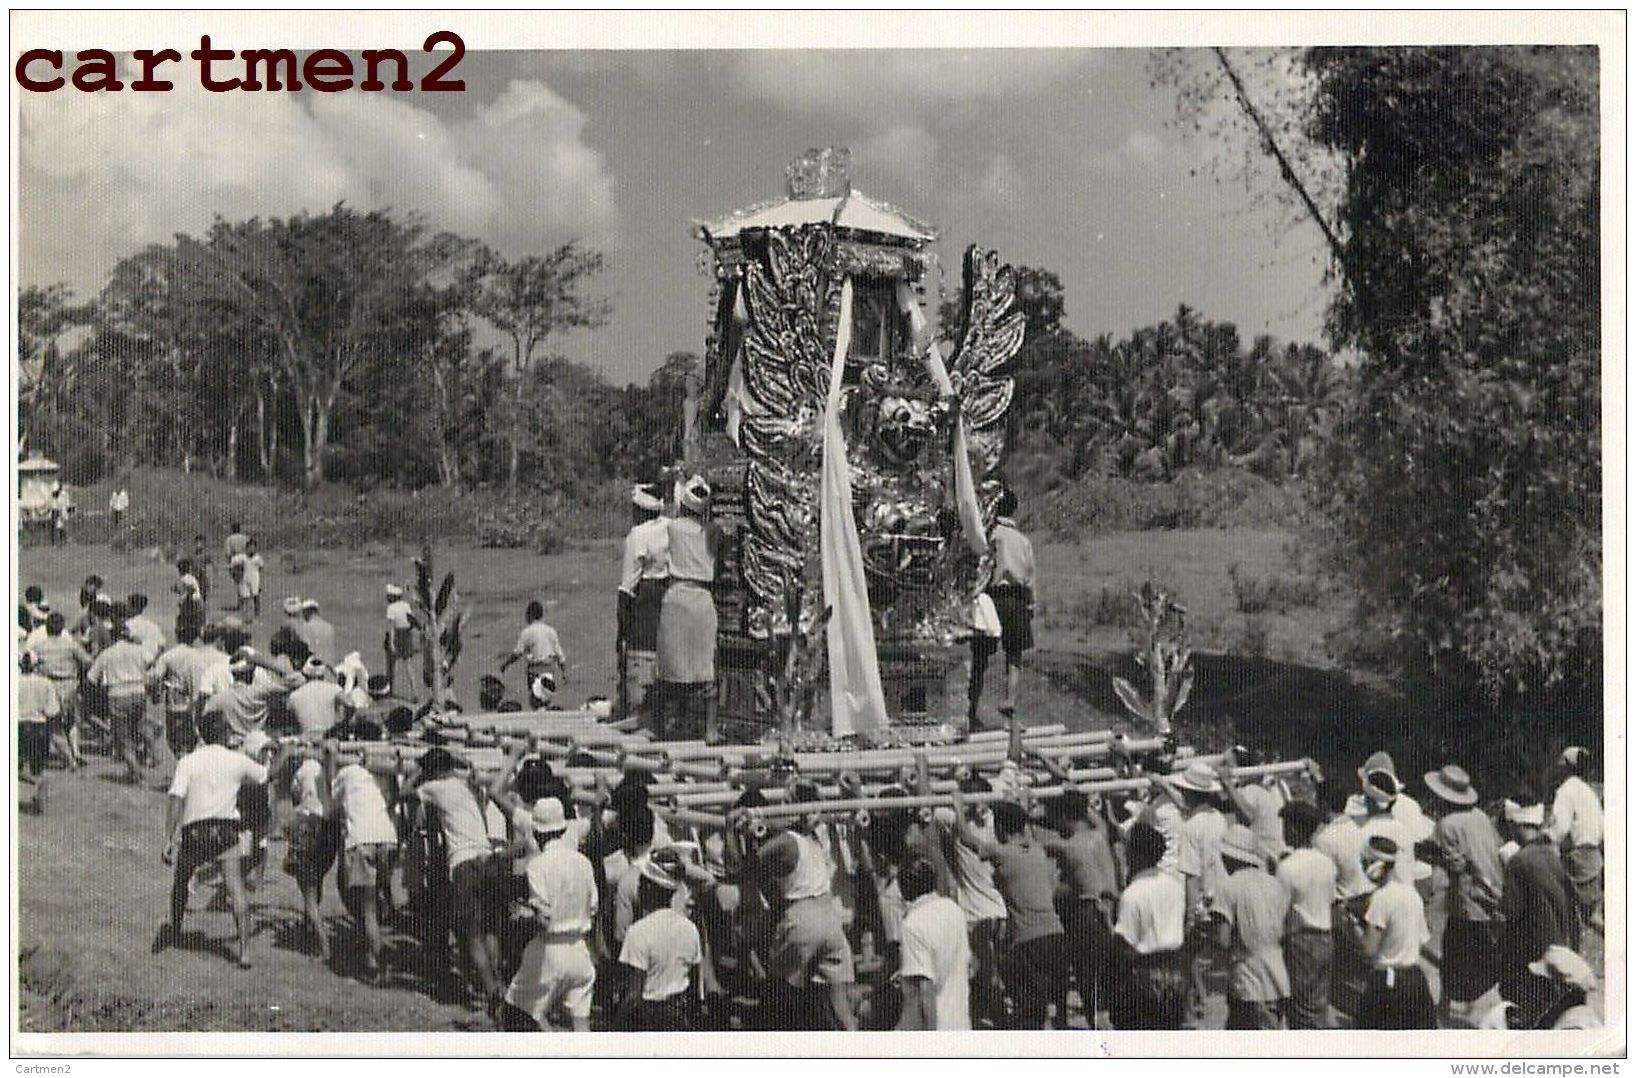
(202, 825)
(644, 575)
(1392, 931)
(314, 705)
(175, 678)
(557, 970)
(1309, 945)
(1576, 827)
(118, 502)
(143, 629)
(1148, 937)
(935, 954)
(369, 847)
(474, 898)
(662, 950)
(399, 643)
(317, 632)
(540, 650)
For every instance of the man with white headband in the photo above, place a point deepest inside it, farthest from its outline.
(1576, 827)
(314, 705)
(1391, 932)
(686, 641)
(644, 576)
(1535, 905)
(399, 643)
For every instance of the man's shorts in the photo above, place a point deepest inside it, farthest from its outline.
(476, 895)
(400, 643)
(34, 746)
(553, 975)
(810, 944)
(126, 715)
(209, 840)
(362, 866)
(1014, 605)
(313, 843)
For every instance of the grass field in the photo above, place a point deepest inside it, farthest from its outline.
(93, 889)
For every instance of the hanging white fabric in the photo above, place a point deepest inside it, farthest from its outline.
(739, 401)
(965, 488)
(857, 701)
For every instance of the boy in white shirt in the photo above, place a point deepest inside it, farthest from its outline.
(936, 955)
(369, 847)
(202, 825)
(663, 951)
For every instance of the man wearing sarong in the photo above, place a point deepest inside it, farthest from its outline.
(1310, 877)
(644, 576)
(686, 643)
(1576, 828)
(1535, 903)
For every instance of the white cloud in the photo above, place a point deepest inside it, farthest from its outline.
(1141, 147)
(1002, 183)
(906, 152)
(862, 82)
(103, 174)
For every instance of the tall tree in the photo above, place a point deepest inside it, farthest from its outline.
(329, 291)
(1469, 485)
(529, 301)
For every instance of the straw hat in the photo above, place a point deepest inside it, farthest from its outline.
(314, 669)
(292, 605)
(1241, 844)
(1452, 784)
(1199, 778)
(548, 816)
(394, 592)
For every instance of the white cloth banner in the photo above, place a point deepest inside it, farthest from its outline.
(965, 489)
(857, 702)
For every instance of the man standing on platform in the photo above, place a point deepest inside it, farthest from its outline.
(1012, 589)
(686, 644)
(644, 576)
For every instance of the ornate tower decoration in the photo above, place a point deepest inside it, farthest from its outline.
(778, 270)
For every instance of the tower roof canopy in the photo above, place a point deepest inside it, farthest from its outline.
(854, 210)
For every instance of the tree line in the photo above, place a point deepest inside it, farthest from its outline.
(1457, 457)
(346, 346)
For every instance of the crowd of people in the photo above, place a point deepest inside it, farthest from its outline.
(1307, 903)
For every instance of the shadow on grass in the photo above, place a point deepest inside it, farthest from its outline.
(1289, 711)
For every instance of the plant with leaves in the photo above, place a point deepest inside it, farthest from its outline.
(1166, 657)
(439, 620)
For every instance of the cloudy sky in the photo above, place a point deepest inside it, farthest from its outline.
(1064, 159)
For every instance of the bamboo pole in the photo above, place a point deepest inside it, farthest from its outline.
(874, 804)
